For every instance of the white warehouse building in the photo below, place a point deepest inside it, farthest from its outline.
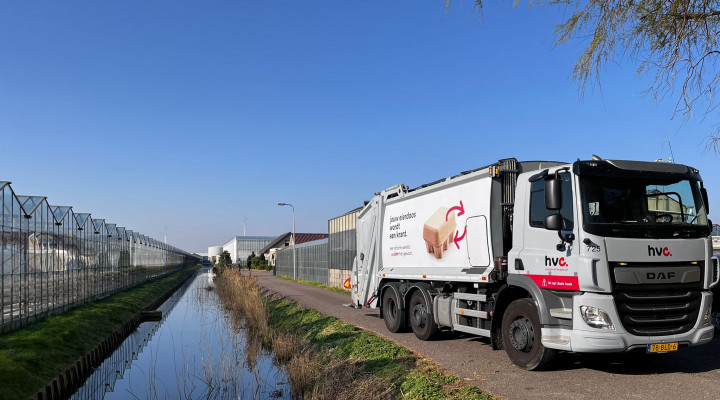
(240, 247)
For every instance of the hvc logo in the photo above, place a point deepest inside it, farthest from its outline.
(659, 251)
(554, 262)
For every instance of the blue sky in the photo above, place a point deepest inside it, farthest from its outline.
(195, 117)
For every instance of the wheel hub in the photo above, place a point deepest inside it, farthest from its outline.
(418, 315)
(522, 336)
(392, 309)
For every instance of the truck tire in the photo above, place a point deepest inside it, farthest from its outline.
(421, 317)
(522, 336)
(392, 314)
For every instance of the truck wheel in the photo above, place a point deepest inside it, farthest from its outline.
(394, 319)
(421, 318)
(522, 336)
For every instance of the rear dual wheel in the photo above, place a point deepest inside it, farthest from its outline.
(421, 316)
(419, 313)
(392, 314)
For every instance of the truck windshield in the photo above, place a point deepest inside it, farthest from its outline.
(647, 206)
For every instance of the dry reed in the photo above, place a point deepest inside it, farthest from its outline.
(302, 371)
(284, 346)
(242, 295)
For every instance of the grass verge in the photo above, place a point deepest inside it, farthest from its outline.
(32, 356)
(311, 283)
(329, 359)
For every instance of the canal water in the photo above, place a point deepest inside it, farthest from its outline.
(195, 351)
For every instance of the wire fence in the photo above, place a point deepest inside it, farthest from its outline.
(53, 259)
(311, 260)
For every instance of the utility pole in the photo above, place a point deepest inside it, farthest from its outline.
(293, 238)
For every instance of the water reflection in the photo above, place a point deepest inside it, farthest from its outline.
(194, 352)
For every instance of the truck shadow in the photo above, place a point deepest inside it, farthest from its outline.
(687, 360)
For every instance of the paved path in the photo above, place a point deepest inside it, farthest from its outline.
(691, 373)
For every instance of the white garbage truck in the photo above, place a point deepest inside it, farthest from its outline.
(539, 256)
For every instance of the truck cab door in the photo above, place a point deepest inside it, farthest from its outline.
(548, 263)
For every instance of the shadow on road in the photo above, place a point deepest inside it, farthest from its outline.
(687, 360)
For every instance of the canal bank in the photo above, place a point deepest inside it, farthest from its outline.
(328, 359)
(45, 353)
(195, 351)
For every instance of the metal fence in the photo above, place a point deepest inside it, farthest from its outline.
(312, 261)
(53, 259)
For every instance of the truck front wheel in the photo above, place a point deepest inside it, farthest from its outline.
(421, 317)
(392, 314)
(522, 336)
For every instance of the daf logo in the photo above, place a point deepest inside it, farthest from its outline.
(660, 275)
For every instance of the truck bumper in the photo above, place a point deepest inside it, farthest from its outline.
(586, 339)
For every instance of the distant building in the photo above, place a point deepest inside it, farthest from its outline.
(240, 247)
(204, 259)
(285, 240)
(214, 253)
(341, 247)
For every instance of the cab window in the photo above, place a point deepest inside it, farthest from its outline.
(538, 212)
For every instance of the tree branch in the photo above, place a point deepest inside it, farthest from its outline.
(694, 16)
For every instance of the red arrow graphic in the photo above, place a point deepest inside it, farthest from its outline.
(461, 210)
(458, 239)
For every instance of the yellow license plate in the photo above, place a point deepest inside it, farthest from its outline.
(662, 347)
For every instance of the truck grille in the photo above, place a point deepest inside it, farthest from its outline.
(658, 310)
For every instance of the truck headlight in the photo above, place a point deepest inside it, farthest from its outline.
(596, 318)
(708, 316)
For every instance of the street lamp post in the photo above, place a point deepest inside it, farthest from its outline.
(293, 238)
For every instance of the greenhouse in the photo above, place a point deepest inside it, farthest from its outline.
(53, 259)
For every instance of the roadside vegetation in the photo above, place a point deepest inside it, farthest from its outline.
(253, 262)
(328, 359)
(320, 285)
(223, 261)
(33, 356)
(258, 262)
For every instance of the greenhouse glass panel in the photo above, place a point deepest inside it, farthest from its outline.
(52, 259)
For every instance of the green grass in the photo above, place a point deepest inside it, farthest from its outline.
(311, 283)
(36, 354)
(349, 354)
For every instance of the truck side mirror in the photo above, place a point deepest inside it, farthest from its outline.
(553, 222)
(704, 194)
(553, 194)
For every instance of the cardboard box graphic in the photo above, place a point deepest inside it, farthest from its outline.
(438, 232)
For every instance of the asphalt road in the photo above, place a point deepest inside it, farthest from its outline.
(690, 373)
